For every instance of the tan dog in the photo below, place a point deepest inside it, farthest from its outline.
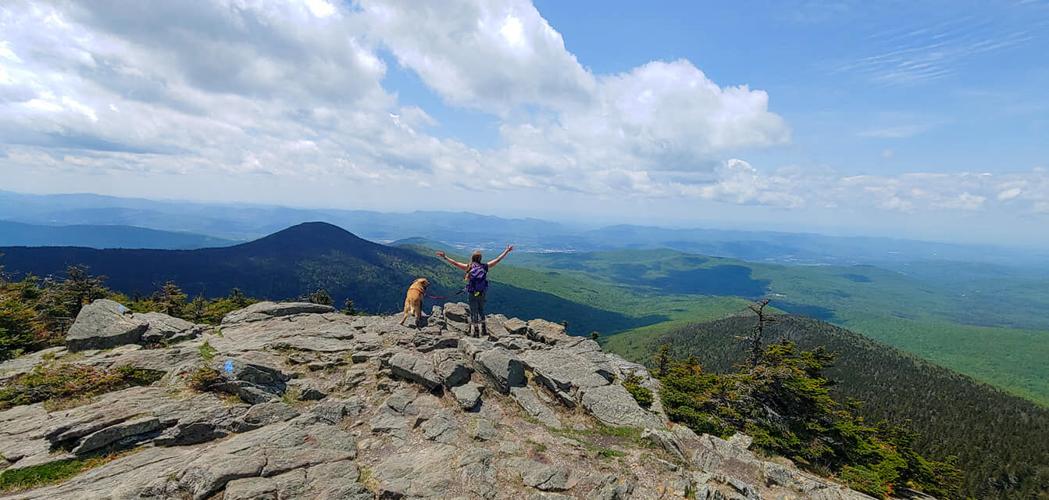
(413, 302)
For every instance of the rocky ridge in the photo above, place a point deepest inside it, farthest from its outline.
(304, 402)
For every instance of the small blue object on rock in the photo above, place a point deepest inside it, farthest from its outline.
(228, 367)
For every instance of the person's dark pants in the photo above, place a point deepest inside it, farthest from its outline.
(477, 312)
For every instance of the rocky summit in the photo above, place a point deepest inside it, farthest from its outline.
(295, 400)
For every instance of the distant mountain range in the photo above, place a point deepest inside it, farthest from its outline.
(297, 261)
(467, 230)
(102, 236)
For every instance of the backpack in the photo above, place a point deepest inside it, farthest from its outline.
(477, 278)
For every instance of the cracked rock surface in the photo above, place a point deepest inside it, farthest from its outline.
(311, 403)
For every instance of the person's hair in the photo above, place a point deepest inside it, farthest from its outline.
(475, 258)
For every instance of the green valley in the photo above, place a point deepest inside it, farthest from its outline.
(1000, 341)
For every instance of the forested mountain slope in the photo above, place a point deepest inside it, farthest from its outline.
(1000, 440)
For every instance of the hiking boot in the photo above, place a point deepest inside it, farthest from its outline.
(484, 330)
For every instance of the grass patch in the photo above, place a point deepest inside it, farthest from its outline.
(368, 479)
(609, 453)
(65, 385)
(53, 472)
(207, 352)
(292, 396)
(537, 447)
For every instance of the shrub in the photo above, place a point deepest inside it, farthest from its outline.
(204, 379)
(641, 394)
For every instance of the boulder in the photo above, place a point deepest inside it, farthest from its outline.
(164, 329)
(613, 405)
(104, 324)
(457, 312)
(502, 368)
(308, 389)
(548, 477)
(251, 379)
(414, 368)
(264, 414)
(535, 408)
(266, 310)
(468, 395)
(428, 342)
(666, 440)
(547, 332)
(515, 326)
(451, 368)
(564, 373)
(441, 428)
(120, 435)
(333, 411)
(482, 429)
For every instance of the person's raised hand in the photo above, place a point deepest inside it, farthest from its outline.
(440, 254)
(509, 248)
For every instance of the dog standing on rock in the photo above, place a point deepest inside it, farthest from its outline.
(413, 301)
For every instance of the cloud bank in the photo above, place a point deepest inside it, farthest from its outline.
(300, 89)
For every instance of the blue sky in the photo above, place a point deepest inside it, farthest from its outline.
(917, 119)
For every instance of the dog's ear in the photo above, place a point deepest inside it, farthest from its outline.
(425, 282)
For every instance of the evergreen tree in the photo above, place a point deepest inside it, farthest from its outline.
(237, 298)
(663, 360)
(81, 288)
(198, 309)
(784, 403)
(320, 297)
(348, 309)
(170, 299)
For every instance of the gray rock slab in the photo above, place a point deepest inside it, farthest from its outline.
(414, 368)
(548, 477)
(119, 435)
(104, 324)
(468, 395)
(613, 405)
(267, 310)
(534, 407)
(166, 329)
(502, 368)
(451, 367)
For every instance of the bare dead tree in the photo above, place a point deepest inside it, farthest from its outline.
(755, 341)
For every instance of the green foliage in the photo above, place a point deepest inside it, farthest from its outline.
(52, 472)
(348, 309)
(321, 297)
(998, 438)
(784, 403)
(62, 384)
(641, 394)
(20, 330)
(663, 360)
(35, 313)
(171, 300)
(199, 310)
(39, 475)
(984, 321)
(206, 351)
